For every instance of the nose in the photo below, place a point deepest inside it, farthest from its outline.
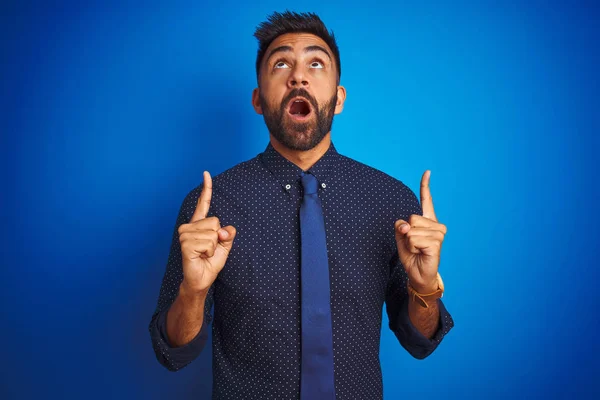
(298, 77)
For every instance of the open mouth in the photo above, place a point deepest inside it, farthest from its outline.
(299, 108)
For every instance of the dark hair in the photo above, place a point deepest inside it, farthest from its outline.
(278, 24)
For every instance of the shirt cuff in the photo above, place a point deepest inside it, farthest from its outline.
(415, 342)
(175, 358)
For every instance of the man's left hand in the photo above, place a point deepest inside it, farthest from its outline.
(419, 241)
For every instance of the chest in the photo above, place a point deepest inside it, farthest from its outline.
(264, 266)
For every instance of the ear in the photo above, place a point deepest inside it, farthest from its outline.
(256, 101)
(341, 98)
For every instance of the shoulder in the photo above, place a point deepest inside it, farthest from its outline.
(368, 175)
(388, 189)
(235, 178)
(232, 176)
(237, 175)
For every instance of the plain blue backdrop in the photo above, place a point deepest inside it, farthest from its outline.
(110, 112)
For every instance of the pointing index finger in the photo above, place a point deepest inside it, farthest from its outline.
(204, 200)
(426, 200)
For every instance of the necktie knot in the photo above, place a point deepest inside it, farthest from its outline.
(309, 183)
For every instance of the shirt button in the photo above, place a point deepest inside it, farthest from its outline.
(288, 186)
(323, 185)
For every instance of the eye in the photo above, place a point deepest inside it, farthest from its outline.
(280, 64)
(316, 64)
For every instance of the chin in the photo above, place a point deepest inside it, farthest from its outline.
(301, 140)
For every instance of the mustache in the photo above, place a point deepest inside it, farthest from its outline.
(302, 93)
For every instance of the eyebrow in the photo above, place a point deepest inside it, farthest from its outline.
(307, 49)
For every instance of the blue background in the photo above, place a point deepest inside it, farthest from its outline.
(111, 111)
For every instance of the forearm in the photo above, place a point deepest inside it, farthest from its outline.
(426, 320)
(185, 317)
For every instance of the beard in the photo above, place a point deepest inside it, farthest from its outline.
(299, 135)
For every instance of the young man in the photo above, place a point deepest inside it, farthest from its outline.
(300, 247)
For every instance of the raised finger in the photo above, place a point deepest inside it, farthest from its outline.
(418, 221)
(204, 199)
(426, 200)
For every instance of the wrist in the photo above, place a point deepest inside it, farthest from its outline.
(426, 293)
(187, 291)
(416, 305)
(426, 288)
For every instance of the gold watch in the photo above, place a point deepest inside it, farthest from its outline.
(421, 298)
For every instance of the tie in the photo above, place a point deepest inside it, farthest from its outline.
(316, 379)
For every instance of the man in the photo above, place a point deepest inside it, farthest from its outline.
(247, 240)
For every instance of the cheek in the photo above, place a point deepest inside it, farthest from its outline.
(272, 99)
(326, 94)
(276, 78)
(273, 86)
(324, 83)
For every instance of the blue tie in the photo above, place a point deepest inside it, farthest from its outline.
(316, 378)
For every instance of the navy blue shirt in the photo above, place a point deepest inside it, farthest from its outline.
(256, 297)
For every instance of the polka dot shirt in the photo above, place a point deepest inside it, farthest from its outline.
(256, 297)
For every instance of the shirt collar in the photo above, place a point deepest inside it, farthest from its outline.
(287, 172)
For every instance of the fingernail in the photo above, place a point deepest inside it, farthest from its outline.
(403, 226)
(224, 233)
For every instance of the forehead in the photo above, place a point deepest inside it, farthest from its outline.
(297, 41)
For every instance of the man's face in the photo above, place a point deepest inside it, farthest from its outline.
(298, 92)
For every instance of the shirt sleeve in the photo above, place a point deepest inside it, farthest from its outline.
(175, 358)
(396, 299)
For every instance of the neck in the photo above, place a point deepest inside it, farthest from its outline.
(303, 158)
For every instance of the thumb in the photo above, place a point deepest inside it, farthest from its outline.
(226, 236)
(401, 227)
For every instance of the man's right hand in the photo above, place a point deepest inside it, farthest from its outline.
(205, 246)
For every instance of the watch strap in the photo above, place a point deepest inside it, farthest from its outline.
(423, 298)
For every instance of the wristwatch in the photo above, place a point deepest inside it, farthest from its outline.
(421, 298)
